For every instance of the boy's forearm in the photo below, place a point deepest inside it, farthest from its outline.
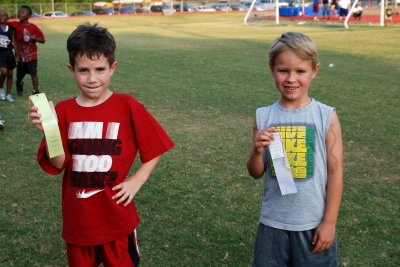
(255, 165)
(144, 172)
(333, 198)
(58, 161)
(39, 40)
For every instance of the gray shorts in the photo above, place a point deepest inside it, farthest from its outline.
(275, 247)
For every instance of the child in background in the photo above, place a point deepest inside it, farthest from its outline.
(7, 58)
(101, 133)
(27, 35)
(298, 229)
(344, 7)
(389, 15)
(358, 10)
(334, 8)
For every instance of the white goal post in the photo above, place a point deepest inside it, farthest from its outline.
(271, 13)
(274, 7)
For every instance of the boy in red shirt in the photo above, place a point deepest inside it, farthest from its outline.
(26, 37)
(101, 133)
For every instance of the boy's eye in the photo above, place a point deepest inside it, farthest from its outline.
(283, 71)
(100, 69)
(82, 70)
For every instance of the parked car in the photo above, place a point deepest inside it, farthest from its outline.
(281, 3)
(126, 10)
(239, 7)
(83, 13)
(184, 7)
(159, 8)
(34, 15)
(143, 10)
(221, 7)
(104, 11)
(55, 14)
(205, 9)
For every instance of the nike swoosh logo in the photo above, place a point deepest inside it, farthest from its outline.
(83, 194)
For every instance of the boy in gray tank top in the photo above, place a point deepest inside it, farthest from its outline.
(297, 229)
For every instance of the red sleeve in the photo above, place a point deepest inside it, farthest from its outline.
(11, 23)
(151, 138)
(39, 33)
(42, 156)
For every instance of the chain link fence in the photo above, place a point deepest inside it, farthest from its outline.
(67, 8)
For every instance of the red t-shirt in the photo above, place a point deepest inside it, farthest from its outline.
(27, 48)
(100, 145)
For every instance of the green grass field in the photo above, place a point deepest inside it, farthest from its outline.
(202, 76)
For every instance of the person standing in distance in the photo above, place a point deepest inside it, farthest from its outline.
(27, 35)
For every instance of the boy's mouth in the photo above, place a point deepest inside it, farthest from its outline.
(291, 87)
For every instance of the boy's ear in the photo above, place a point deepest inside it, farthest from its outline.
(113, 67)
(315, 70)
(271, 68)
(71, 69)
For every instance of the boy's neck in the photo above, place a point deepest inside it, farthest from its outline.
(25, 22)
(287, 104)
(84, 101)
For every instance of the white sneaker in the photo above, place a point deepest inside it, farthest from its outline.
(9, 98)
(1, 125)
(2, 94)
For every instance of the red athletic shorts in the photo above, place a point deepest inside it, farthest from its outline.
(122, 253)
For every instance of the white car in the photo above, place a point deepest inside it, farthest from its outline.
(272, 3)
(55, 14)
(205, 9)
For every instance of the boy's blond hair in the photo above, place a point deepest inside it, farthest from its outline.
(302, 45)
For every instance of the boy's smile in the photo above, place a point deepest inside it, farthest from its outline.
(92, 77)
(3, 17)
(293, 77)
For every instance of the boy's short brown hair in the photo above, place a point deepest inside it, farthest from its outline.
(27, 8)
(92, 41)
(302, 45)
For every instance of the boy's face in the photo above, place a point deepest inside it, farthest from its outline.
(3, 17)
(92, 77)
(23, 14)
(293, 77)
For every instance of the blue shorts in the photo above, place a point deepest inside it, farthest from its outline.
(275, 247)
(343, 12)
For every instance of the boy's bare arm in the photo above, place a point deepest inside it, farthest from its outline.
(58, 161)
(261, 140)
(15, 47)
(325, 233)
(129, 188)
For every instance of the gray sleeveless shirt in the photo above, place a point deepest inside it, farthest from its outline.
(303, 132)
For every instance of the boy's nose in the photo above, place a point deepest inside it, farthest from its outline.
(91, 78)
(291, 78)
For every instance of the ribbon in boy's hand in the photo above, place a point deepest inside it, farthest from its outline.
(49, 124)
